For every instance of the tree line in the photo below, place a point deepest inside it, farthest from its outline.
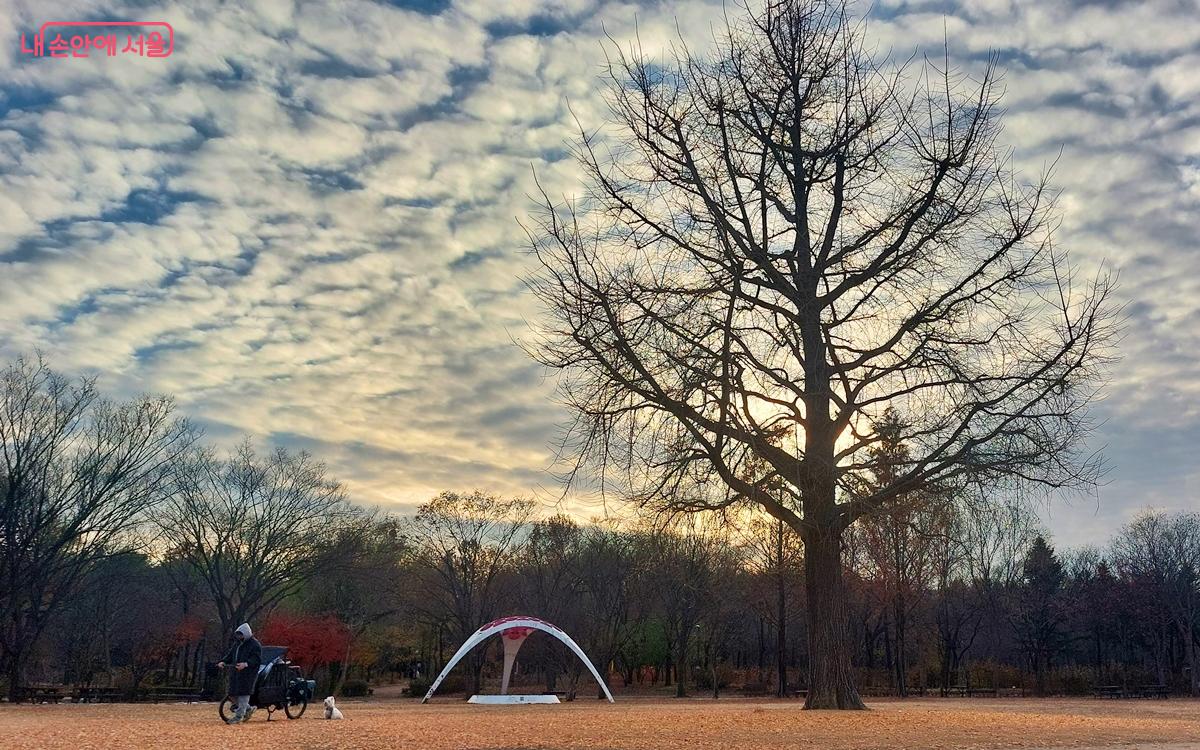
(129, 549)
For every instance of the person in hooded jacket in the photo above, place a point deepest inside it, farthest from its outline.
(245, 655)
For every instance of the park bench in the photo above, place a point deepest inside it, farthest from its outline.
(44, 693)
(172, 694)
(1154, 691)
(989, 692)
(956, 691)
(1108, 691)
(98, 694)
(799, 692)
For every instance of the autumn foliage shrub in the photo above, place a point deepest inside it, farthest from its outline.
(313, 640)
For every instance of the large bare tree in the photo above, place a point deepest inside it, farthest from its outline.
(78, 474)
(785, 234)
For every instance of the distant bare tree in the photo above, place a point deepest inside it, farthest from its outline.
(464, 544)
(896, 548)
(551, 586)
(612, 566)
(687, 563)
(372, 583)
(256, 528)
(786, 234)
(1163, 553)
(776, 556)
(724, 606)
(77, 476)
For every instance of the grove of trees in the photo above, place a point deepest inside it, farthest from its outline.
(129, 550)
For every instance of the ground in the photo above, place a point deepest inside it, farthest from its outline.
(637, 724)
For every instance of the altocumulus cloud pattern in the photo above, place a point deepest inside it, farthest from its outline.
(302, 222)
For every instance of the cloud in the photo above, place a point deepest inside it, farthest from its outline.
(302, 223)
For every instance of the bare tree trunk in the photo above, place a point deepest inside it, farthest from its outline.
(781, 590)
(14, 677)
(1039, 675)
(762, 649)
(477, 671)
(680, 670)
(1189, 649)
(946, 659)
(901, 648)
(197, 666)
(337, 689)
(830, 680)
(889, 662)
(441, 650)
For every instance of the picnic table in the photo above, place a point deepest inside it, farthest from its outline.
(181, 693)
(1141, 691)
(89, 694)
(1154, 691)
(43, 693)
(962, 691)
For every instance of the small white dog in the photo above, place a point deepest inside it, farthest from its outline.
(331, 711)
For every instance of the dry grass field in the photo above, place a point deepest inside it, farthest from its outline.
(629, 725)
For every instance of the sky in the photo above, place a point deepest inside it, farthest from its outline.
(303, 223)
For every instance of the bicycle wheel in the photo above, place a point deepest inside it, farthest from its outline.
(295, 710)
(225, 709)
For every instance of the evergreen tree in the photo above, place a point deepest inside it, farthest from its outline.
(1040, 612)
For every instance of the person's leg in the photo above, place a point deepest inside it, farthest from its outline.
(235, 710)
(243, 706)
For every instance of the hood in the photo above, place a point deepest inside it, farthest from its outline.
(244, 629)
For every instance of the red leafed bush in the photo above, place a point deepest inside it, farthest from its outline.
(189, 630)
(312, 640)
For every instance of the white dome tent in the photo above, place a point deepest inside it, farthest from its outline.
(514, 630)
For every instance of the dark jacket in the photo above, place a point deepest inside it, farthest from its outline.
(241, 682)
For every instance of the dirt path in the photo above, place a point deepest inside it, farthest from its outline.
(629, 725)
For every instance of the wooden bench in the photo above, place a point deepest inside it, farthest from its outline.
(43, 693)
(983, 691)
(98, 694)
(1154, 691)
(172, 694)
(799, 692)
(1108, 691)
